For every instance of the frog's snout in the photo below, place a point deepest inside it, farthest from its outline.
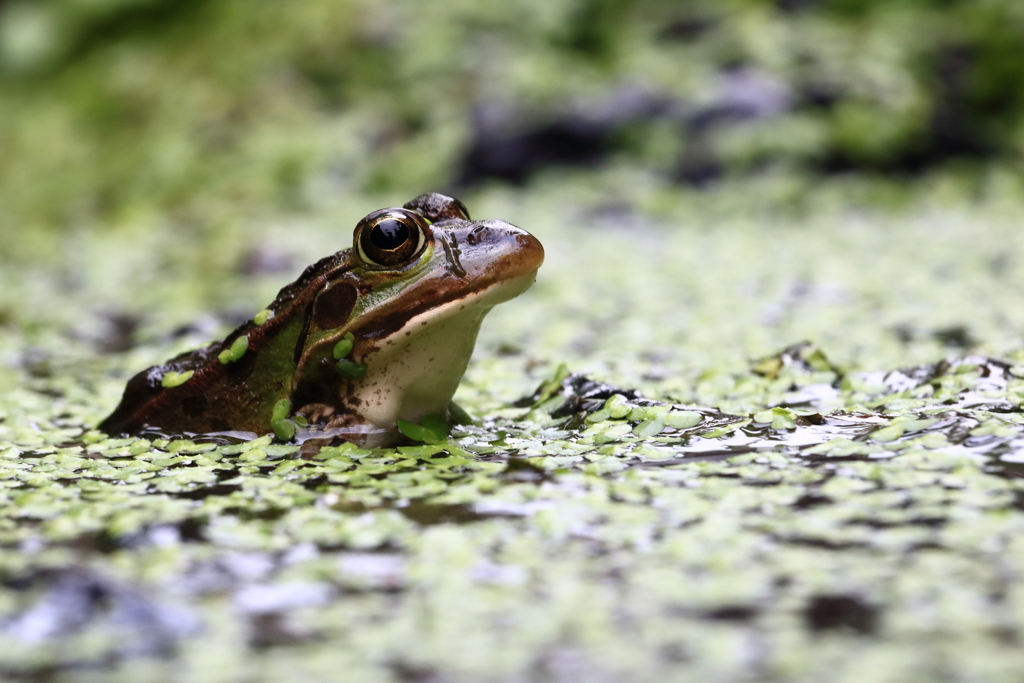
(501, 250)
(525, 252)
(530, 249)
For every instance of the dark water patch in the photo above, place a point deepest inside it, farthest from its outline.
(820, 542)
(841, 613)
(38, 364)
(929, 522)
(812, 500)
(203, 492)
(1007, 635)
(511, 145)
(118, 333)
(315, 483)
(686, 29)
(104, 542)
(71, 601)
(514, 157)
(732, 613)
(955, 336)
(261, 513)
(414, 672)
(192, 530)
(274, 630)
(728, 613)
(522, 470)
(429, 514)
(707, 456)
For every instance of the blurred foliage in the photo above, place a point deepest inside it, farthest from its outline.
(118, 111)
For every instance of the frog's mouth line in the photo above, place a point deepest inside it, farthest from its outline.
(486, 294)
(437, 297)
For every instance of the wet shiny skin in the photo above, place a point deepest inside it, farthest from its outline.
(413, 309)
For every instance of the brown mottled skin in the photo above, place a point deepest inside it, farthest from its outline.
(461, 270)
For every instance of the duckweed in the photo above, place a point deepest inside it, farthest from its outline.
(173, 378)
(432, 429)
(349, 369)
(235, 351)
(282, 427)
(344, 347)
(672, 511)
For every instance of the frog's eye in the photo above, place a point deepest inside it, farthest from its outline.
(390, 237)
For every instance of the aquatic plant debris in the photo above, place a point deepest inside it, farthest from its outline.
(880, 479)
(350, 369)
(235, 351)
(639, 518)
(344, 347)
(283, 428)
(432, 429)
(172, 378)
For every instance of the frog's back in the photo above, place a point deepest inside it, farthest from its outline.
(217, 396)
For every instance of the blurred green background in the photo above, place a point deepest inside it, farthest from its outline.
(195, 113)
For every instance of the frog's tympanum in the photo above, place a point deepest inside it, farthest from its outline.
(365, 337)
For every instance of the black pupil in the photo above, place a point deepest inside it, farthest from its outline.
(389, 234)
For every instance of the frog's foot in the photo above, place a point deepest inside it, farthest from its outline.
(325, 418)
(319, 415)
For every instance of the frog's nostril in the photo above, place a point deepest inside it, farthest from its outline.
(476, 235)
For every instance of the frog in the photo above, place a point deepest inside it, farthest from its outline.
(366, 338)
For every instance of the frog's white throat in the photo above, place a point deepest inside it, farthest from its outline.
(416, 371)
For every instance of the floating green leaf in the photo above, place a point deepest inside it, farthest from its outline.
(350, 370)
(281, 409)
(235, 352)
(650, 427)
(283, 428)
(173, 378)
(344, 346)
(617, 407)
(431, 430)
(887, 434)
(683, 419)
(552, 385)
(459, 415)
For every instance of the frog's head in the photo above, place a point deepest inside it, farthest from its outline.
(420, 280)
